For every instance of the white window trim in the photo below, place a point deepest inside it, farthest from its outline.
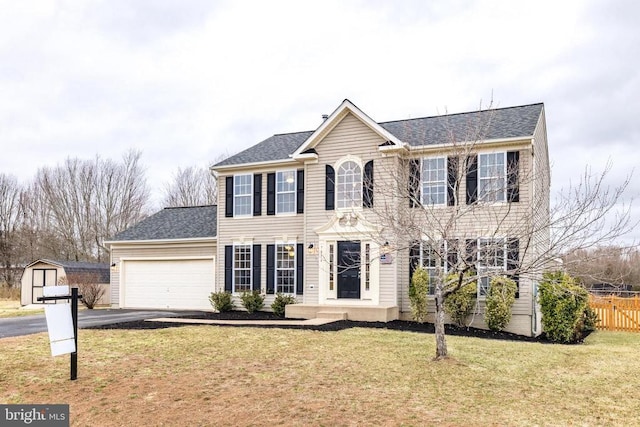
(295, 189)
(235, 196)
(443, 266)
(444, 181)
(293, 245)
(233, 275)
(489, 272)
(336, 168)
(481, 197)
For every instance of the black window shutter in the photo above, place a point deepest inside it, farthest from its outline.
(471, 253)
(257, 194)
(452, 180)
(513, 258)
(367, 185)
(330, 189)
(228, 197)
(300, 192)
(472, 179)
(271, 268)
(299, 269)
(414, 258)
(257, 264)
(271, 194)
(414, 183)
(228, 268)
(513, 172)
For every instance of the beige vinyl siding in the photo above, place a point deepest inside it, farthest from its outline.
(160, 250)
(349, 137)
(258, 230)
(510, 219)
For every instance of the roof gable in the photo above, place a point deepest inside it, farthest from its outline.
(174, 223)
(347, 107)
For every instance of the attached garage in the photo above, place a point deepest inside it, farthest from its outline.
(166, 261)
(168, 284)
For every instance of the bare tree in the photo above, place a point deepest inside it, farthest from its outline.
(10, 217)
(81, 202)
(464, 228)
(615, 266)
(191, 187)
(120, 199)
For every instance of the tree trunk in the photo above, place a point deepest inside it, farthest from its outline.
(441, 342)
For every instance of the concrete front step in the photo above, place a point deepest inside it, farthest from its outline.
(362, 313)
(336, 315)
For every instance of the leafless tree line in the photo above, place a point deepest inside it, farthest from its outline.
(68, 210)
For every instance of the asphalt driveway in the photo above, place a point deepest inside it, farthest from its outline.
(16, 326)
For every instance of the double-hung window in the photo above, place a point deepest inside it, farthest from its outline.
(285, 268)
(434, 181)
(492, 261)
(286, 192)
(432, 262)
(242, 268)
(349, 179)
(242, 189)
(492, 172)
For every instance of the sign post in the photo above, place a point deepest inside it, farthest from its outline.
(62, 323)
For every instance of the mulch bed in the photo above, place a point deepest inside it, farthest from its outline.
(398, 325)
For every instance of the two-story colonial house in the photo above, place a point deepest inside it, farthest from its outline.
(320, 215)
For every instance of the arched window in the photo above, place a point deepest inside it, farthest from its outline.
(349, 180)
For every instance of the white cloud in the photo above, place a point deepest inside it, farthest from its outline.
(187, 80)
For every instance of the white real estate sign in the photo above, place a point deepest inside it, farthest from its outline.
(59, 322)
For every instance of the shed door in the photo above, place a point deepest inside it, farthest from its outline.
(168, 284)
(42, 277)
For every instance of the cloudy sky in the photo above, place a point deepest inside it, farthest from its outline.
(187, 81)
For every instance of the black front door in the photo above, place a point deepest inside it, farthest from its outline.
(349, 269)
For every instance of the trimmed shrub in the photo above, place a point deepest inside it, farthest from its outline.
(418, 290)
(459, 304)
(566, 315)
(500, 299)
(252, 301)
(221, 301)
(280, 302)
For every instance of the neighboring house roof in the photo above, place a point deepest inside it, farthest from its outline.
(499, 123)
(76, 268)
(174, 223)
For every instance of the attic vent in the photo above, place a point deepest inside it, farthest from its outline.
(325, 117)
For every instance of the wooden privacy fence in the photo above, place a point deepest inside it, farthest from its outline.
(616, 313)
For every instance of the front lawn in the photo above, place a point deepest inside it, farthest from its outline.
(211, 375)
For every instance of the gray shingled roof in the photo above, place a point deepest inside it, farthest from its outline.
(510, 122)
(174, 223)
(277, 147)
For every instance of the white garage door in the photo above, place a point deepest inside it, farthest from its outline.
(173, 284)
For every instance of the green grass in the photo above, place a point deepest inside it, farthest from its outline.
(204, 375)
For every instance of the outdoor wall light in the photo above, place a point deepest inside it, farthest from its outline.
(385, 248)
(311, 250)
